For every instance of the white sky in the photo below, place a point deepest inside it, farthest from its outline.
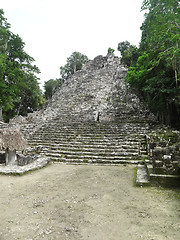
(53, 29)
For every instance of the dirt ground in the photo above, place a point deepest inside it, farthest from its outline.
(67, 202)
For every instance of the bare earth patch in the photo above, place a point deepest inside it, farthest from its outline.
(67, 202)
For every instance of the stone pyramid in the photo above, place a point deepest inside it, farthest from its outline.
(98, 92)
(93, 118)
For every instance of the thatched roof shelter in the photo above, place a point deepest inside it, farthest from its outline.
(12, 139)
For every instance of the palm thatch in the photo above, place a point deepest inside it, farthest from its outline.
(12, 139)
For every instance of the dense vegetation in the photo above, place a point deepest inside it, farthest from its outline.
(73, 64)
(154, 67)
(19, 89)
(50, 87)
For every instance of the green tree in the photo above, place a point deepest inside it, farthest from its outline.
(111, 51)
(161, 32)
(5, 93)
(129, 53)
(17, 74)
(156, 72)
(73, 64)
(50, 87)
(123, 46)
(29, 99)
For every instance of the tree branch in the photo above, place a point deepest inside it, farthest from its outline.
(177, 24)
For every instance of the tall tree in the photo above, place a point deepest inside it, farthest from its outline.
(17, 74)
(4, 35)
(129, 53)
(73, 64)
(123, 46)
(161, 32)
(156, 72)
(50, 87)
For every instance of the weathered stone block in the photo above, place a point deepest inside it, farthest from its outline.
(23, 160)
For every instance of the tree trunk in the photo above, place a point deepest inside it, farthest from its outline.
(1, 118)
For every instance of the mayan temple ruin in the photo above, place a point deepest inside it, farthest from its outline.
(96, 118)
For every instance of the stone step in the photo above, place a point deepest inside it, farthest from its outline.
(89, 136)
(90, 132)
(96, 161)
(86, 127)
(95, 157)
(142, 178)
(95, 126)
(78, 153)
(85, 142)
(102, 123)
(93, 149)
(96, 136)
(91, 153)
(104, 144)
(86, 136)
(59, 125)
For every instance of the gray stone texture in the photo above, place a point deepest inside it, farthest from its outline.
(19, 170)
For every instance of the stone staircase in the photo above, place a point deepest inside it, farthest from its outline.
(91, 142)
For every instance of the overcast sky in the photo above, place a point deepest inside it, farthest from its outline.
(53, 29)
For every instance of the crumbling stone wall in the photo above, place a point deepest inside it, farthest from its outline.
(164, 151)
(23, 160)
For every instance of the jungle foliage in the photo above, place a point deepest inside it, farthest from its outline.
(154, 68)
(19, 89)
(73, 64)
(50, 87)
